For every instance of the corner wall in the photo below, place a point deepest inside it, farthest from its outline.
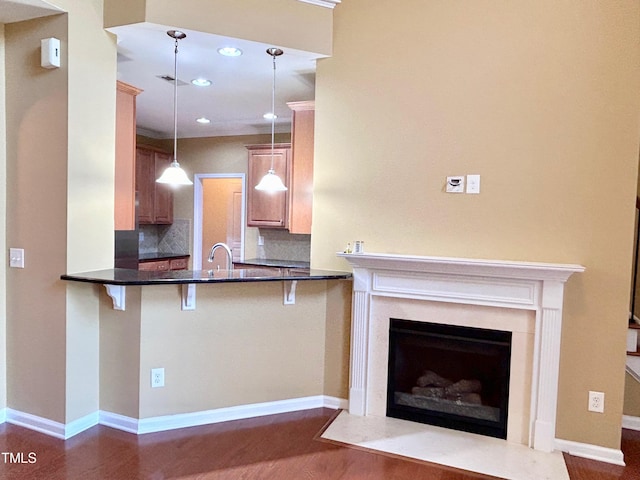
(3, 231)
(60, 151)
(541, 99)
(36, 219)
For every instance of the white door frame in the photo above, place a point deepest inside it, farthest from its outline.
(197, 213)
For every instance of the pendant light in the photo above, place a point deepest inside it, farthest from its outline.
(174, 175)
(272, 182)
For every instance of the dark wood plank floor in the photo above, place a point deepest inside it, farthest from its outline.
(278, 447)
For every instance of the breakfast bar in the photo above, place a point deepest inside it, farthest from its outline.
(117, 279)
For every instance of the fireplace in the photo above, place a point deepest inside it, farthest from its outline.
(524, 298)
(449, 376)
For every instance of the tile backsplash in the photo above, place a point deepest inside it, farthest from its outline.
(175, 238)
(172, 238)
(282, 245)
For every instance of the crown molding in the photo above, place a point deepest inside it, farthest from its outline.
(323, 3)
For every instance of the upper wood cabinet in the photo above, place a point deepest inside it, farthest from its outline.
(301, 185)
(155, 200)
(268, 209)
(125, 165)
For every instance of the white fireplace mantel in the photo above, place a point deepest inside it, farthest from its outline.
(538, 287)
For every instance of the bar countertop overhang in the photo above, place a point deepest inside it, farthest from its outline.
(123, 276)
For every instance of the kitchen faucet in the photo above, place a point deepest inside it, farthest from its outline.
(227, 249)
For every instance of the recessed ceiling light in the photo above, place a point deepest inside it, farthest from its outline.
(269, 116)
(230, 51)
(203, 120)
(201, 82)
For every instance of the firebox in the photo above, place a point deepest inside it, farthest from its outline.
(449, 376)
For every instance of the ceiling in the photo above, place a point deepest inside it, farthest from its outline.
(19, 10)
(241, 88)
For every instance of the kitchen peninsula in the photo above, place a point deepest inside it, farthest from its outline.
(241, 351)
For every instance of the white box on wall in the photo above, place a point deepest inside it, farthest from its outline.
(50, 52)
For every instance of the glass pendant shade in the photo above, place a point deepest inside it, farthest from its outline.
(271, 183)
(174, 175)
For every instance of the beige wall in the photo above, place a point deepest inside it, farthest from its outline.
(541, 99)
(240, 346)
(36, 219)
(90, 193)
(60, 150)
(3, 237)
(337, 339)
(120, 354)
(631, 396)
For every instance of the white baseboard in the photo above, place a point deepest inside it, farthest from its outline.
(184, 420)
(33, 422)
(3, 415)
(593, 452)
(632, 423)
(167, 422)
(50, 427)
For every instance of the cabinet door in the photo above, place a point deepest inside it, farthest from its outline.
(145, 185)
(155, 200)
(268, 209)
(157, 266)
(163, 202)
(178, 264)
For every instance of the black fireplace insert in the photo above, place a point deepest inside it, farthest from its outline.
(449, 376)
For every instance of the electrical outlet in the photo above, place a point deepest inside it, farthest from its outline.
(157, 377)
(596, 402)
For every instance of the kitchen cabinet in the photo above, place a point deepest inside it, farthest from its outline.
(268, 209)
(155, 200)
(167, 264)
(125, 161)
(301, 184)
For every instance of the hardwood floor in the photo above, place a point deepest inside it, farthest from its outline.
(278, 447)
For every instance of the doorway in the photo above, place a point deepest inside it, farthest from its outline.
(219, 210)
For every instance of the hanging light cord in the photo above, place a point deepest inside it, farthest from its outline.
(175, 103)
(273, 107)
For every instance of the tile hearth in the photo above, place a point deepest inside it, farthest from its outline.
(466, 451)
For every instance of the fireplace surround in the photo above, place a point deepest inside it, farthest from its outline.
(527, 295)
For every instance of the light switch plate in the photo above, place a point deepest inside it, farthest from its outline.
(473, 183)
(16, 257)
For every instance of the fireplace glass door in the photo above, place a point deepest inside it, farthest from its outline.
(449, 376)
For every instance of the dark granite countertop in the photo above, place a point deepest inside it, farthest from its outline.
(274, 263)
(123, 276)
(150, 257)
